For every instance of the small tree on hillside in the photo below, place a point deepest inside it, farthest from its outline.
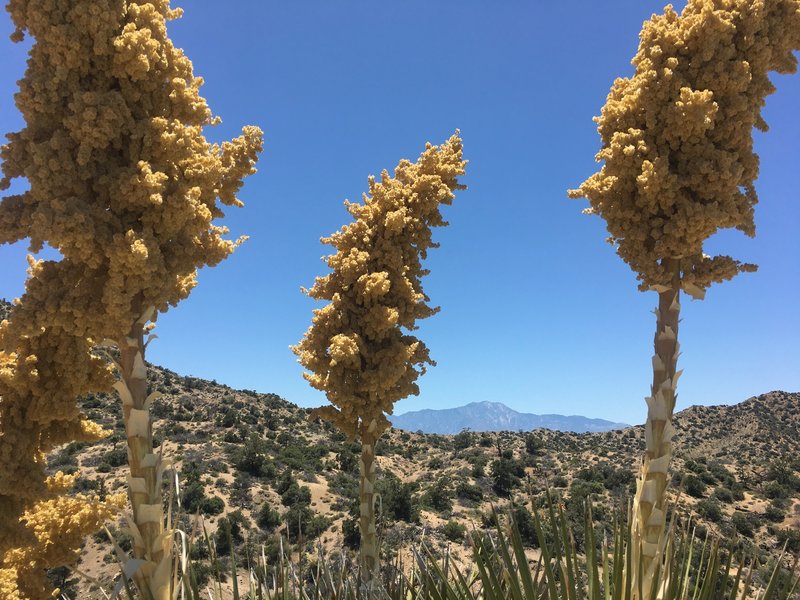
(678, 166)
(357, 349)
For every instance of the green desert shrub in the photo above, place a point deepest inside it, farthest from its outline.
(469, 492)
(776, 491)
(351, 536)
(612, 478)
(708, 478)
(397, 499)
(581, 489)
(454, 531)
(533, 444)
(723, 494)
(253, 458)
(435, 464)
(117, 456)
(296, 495)
(230, 530)
(744, 523)
(737, 490)
(710, 509)
(774, 514)
(301, 520)
(782, 472)
(790, 537)
(526, 526)
(695, 466)
(506, 474)
(694, 486)
(463, 440)
(267, 517)
(213, 505)
(479, 466)
(439, 496)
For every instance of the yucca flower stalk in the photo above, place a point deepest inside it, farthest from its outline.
(125, 186)
(357, 349)
(678, 166)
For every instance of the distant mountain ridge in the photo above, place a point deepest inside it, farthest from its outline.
(495, 416)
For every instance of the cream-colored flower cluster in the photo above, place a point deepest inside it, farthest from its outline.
(357, 349)
(55, 523)
(125, 186)
(678, 161)
(122, 180)
(39, 382)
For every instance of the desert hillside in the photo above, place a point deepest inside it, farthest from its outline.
(253, 464)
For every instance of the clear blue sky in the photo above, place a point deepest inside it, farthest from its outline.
(537, 310)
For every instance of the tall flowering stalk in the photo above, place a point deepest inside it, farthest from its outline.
(358, 349)
(678, 166)
(125, 186)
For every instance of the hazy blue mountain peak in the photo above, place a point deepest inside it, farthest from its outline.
(494, 416)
